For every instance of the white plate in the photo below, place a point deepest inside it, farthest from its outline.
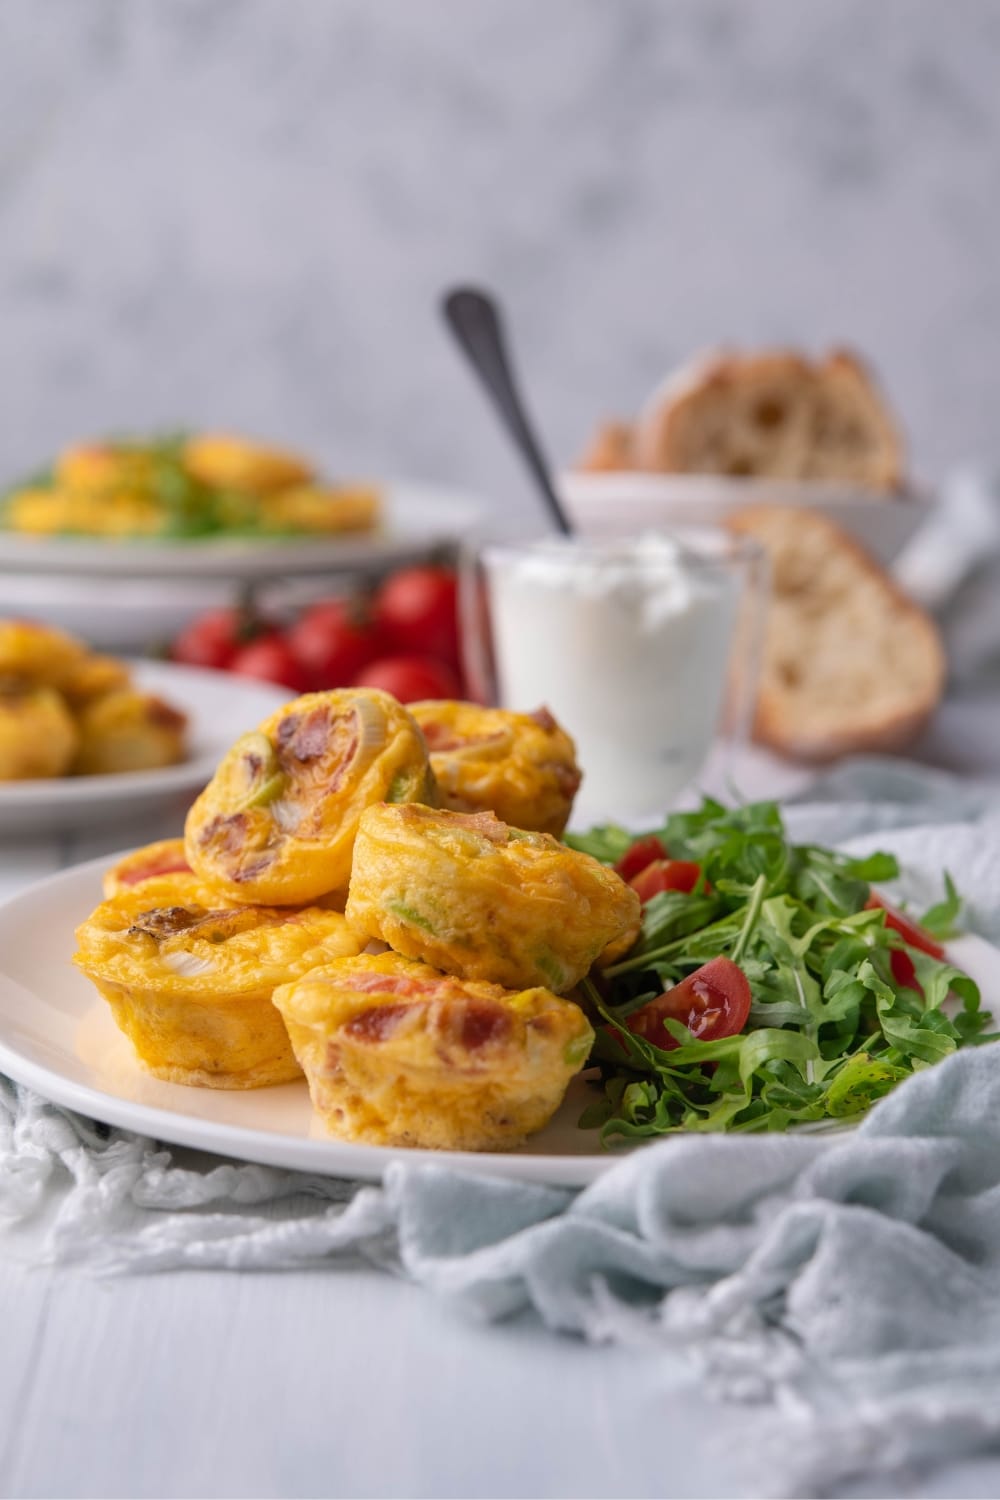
(607, 505)
(57, 1037)
(220, 707)
(417, 519)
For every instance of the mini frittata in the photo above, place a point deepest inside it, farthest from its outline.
(190, 984)
(397, 1054)
(520, 766)
(37, 734)
(129, 731)
(467, 894)
(278, 820)
(151, 862)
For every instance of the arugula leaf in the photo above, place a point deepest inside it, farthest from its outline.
(940, 920)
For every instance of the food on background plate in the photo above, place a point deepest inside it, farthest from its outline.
(398, 1054)
(473, 897)
(65, 710)
(402, 638)
(773, 414)
(778, 990)
(152, 862)
(520, 766)
(278, 820)
(38, 736)
(190, 982)
(849, 664)
(129, 731)
(187, 487)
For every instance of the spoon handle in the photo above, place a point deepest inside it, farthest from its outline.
(474, 319)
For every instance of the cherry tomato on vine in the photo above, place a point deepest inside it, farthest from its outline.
(410, 678)
(272, 660)
(417, 611)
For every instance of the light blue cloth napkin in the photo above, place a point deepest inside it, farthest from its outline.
(852, 1282)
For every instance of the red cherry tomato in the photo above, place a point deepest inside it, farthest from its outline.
(410, 678)
(333, 640)
(666, 875)
(213, 639)
(903, 971)
(638, 855)
(417, 611)
(272, 660)
(713, 1002)
(908, 931)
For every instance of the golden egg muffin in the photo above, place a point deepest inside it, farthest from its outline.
(38, 737)
(277, 821)
(520, 766)
(152, 862)
(99, 469)
(93, 677)
(38, 655)
(397, 1054)
(191, 984)
(324, 509)
(42, 512)
(231, 463)
(129, 731)
(467, 894)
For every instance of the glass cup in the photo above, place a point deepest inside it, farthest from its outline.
(645, 649)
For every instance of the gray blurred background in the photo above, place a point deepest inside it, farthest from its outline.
(242, 212)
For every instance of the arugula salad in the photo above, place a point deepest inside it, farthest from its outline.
(770, 985)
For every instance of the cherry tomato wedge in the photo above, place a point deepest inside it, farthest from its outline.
(903, 971)
(908, 931)
(666, 875)
(638, 855)
(713, 1002)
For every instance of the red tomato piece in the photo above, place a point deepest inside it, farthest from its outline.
(908, 931)
(666, 875)
(640, 854)
(213, 639)
(903, 970)
(712, 1003)
(410, 678)
(417, 611)
(333, 640)
(272, 660)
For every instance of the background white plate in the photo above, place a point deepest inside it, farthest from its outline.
(220, 708)
(607, 505)
(417, 519)
(57, 1036)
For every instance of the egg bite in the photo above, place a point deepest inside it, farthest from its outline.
(520, 766)
(100, 469)
(152, 862)
(38, 737)
(467, 894)
(225, 462)
(38, 655)
(324, 509)
(278, 819)
(397, 1054)
(190, 984)
(93, 677)
(129, 731)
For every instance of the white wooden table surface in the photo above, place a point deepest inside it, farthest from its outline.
(345, 1381)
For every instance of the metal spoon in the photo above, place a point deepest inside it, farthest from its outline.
(474, 318)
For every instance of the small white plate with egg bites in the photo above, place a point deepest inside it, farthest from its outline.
(219, 708)
(58, 1038)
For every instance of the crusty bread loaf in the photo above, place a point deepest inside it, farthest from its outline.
(849, 664)
(774, 414)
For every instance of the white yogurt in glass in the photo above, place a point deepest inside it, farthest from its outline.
(629, 645)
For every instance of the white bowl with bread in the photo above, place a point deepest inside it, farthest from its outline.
(805, 457)
(732, 430)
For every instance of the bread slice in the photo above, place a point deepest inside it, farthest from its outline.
(775, 414)
(610, 450)
(849, 663)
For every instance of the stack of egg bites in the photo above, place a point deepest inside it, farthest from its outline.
(374, 896)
